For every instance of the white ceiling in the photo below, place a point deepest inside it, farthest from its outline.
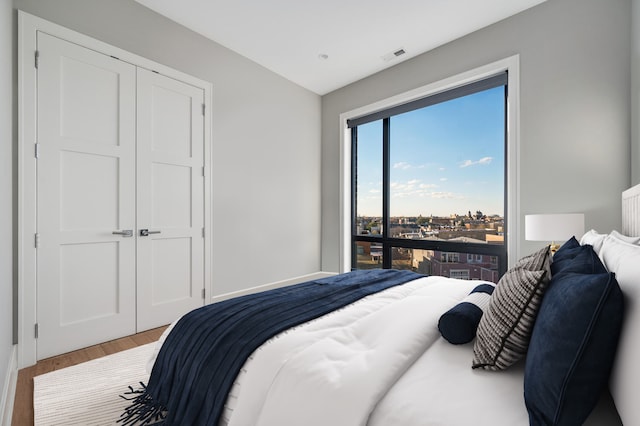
(289, 36)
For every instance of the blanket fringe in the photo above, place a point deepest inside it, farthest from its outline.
(143, 410)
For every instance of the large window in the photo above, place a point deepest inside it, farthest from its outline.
(429, 184)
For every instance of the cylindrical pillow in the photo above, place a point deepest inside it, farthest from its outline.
(459, 324)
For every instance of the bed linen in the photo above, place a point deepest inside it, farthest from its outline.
(441, 389)
(200, 358)
(375, 363)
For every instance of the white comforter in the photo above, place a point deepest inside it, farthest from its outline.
(380, 361)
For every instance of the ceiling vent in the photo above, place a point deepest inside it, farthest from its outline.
(393, 55)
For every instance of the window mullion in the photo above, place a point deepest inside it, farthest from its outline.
(354, 195)
(386, 192)
(504, 260)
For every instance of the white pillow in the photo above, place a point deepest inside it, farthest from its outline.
(626, 239)
(623, 259)
(594, 239)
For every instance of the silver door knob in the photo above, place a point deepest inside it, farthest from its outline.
(124, 232)
(146, 232)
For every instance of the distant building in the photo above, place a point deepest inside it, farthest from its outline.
(453, 228)
(455, 265)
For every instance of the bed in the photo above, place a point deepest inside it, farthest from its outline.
(562, 351)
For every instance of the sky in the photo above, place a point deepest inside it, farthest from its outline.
(445, 159)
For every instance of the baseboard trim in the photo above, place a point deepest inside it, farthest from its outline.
(270, 286)
(9, 388)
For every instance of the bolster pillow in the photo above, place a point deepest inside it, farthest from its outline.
(459, 324)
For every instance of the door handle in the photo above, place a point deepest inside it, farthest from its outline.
(124, 232)
(146, 232)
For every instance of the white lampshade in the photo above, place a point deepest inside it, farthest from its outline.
(553, 227)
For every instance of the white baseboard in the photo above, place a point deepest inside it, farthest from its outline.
(9, 388)
(270, 286)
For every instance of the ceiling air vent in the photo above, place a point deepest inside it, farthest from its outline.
(393, 55)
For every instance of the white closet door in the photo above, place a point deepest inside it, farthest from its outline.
(170, 199)
(85, 192)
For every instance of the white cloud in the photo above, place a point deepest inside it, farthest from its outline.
(402, 165)
(483, 161)
(448, 195)
(413, 188)
(427, 186)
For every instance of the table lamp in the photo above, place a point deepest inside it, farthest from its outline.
(553, 227)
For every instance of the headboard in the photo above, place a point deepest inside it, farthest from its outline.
(623, 258)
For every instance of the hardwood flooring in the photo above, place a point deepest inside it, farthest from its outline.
(23, 405)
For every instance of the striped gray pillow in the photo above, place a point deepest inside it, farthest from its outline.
(505, 328)
(538, 261)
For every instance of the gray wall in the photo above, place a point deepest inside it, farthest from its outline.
(6, 189)
(574, 108)
(266, 141)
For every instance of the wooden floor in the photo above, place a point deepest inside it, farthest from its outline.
(23, 405)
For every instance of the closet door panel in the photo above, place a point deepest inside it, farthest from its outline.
(170, 199)
(85, 192)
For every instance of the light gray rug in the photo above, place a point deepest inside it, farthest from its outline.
(87, 394)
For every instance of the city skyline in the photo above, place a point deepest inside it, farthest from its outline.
(445, 159)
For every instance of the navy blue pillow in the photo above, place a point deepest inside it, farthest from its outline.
(459, 324)
(565, 249)
(580, 259)
(572, 347)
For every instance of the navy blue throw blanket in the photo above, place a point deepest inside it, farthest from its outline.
(203, 354)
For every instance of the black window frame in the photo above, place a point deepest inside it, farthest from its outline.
(500, 251)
